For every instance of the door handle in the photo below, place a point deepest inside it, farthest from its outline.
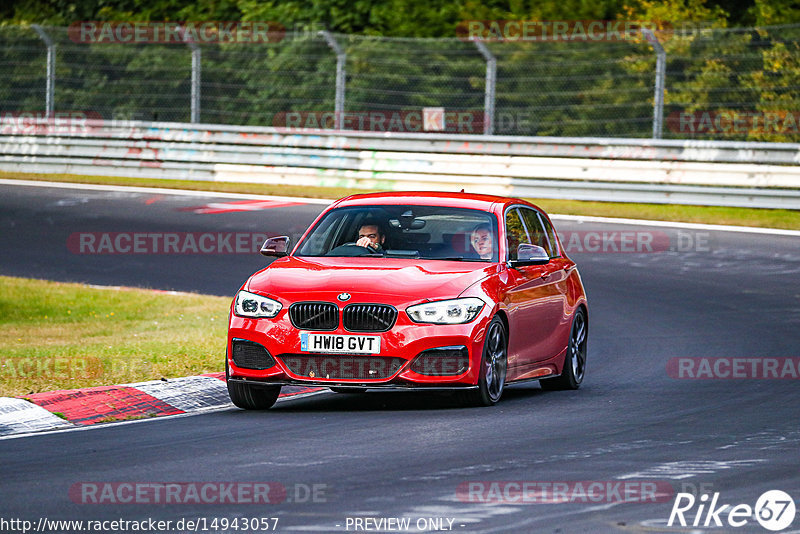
(545, 276)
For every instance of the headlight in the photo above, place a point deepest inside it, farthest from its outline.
(456, 311)
(252, 305)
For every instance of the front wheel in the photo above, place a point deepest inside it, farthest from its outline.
(575, 360)
(494, 363)
(251, 397)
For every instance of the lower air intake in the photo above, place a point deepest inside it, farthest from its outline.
(444, 361)
(249, 355)
(342, 367)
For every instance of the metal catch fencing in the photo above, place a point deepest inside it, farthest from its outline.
(690, 83)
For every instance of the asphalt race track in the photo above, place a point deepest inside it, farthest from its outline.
(380, 455)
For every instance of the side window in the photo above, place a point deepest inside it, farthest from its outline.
(535, 231)
(515, 232)
(325, 235)
(551, 237)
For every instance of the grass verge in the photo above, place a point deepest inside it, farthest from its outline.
(63, 336)
(766, 218)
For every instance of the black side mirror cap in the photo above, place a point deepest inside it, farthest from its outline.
(528, 254)
(276, 246)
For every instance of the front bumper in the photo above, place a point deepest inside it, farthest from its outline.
(397, 365)
(355, 385)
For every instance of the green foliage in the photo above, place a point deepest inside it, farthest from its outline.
(407, 18)
(543, 88)
(772, 12)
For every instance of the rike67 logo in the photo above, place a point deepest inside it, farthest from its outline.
(774, 510)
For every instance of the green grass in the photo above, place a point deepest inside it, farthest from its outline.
(786, 219)
(63, 336)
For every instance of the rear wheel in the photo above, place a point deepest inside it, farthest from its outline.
(494, 363)
(575, 360)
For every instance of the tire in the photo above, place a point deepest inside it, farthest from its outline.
(253, 397)
(348, 390)
(494, 364)
(575, 360)
(250, 397)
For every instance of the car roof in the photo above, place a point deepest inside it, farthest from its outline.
(432, 198)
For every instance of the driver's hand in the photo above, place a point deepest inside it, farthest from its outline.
(366, 243)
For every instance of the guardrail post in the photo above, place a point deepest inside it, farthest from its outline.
(51, 69)
(196, 77)
(341, 60)
(489, 95)
(661, 73)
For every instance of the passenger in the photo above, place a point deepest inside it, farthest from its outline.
(482, 241)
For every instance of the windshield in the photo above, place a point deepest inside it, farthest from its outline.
(426, 232)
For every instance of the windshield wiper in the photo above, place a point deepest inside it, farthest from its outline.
(456, 258)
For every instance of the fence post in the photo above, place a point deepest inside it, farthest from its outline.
(51, 69)
(661, 72)
(341, 60)
(196, 76)
(491, 77)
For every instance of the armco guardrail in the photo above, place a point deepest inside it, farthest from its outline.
(625, 170)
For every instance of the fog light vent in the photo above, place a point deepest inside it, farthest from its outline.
(443, 361)
(249, 355)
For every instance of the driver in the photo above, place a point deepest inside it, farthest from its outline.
(370, 236)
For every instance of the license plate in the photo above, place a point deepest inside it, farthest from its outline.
(338, 344)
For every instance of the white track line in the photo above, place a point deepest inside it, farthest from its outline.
(326, 202)
(164, 191)
(671, 224)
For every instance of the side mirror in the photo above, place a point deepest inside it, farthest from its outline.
(276, 246)
(528, 254)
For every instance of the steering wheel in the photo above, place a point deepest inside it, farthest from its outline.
(353, 244)
(351, 249)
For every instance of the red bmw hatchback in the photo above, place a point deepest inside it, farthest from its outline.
(411, 290)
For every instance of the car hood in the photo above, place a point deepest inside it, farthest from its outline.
(369, 279)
